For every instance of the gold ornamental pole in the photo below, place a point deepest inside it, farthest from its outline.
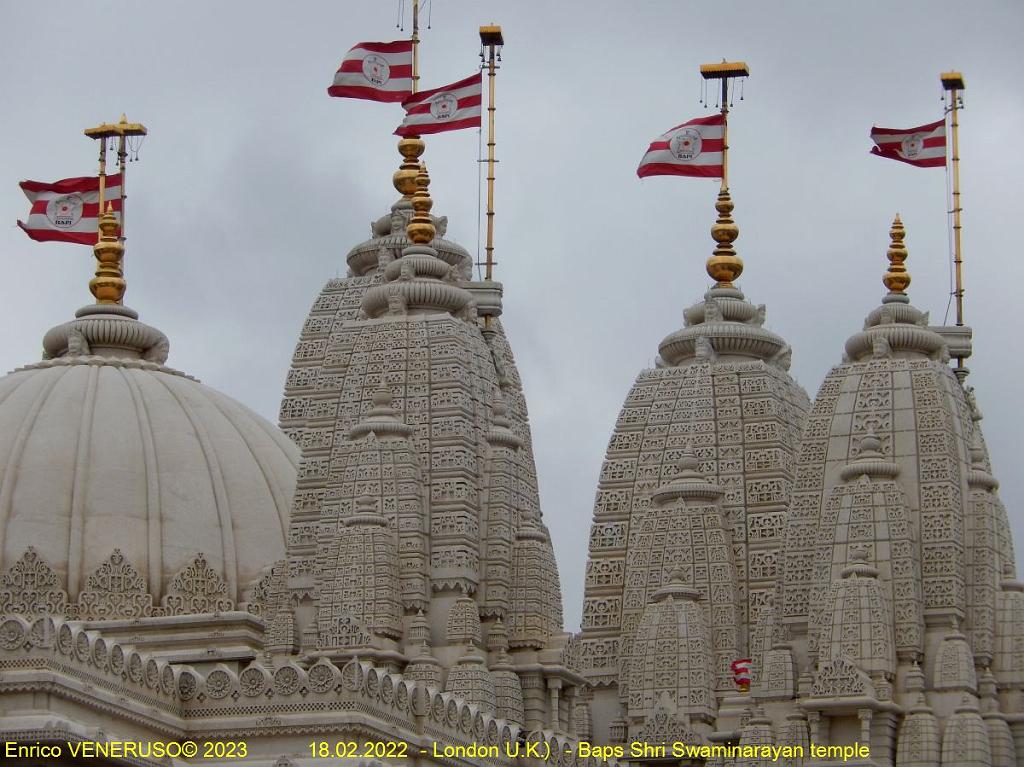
(122, 157)
(491, 41)
(411, 147)
(724, 266)
(415, 45)
(954, 83)
(101, 133)
(725, 71)
(102, 174)
(108, 286)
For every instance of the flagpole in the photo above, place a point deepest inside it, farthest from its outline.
(725, 71)
(415, 45)
(101, 133)
(954, 83)
(724, 266)
(122, 155)
(103, 175)
(108, 285)
(492, 40)
(725, 134)
(411, 147)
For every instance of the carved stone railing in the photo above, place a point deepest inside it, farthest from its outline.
(180, 701)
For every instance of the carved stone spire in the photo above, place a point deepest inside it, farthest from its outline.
(360, 584)
(381, 419)
(688, 483)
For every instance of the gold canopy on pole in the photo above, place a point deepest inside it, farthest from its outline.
(724, 266)
(108, 286)
(122, 129)
(725, 71)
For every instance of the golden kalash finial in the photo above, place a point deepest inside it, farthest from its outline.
(410, 147)
(108, 285)
(897, 278)
(724, 266)
(420, 229)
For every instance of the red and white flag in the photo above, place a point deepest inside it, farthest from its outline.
(691, 149)
(68, 210)
(450, 107)
(924, 146)
(375, 71)
(741, 672)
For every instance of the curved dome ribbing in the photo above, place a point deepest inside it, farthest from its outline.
(103, 453)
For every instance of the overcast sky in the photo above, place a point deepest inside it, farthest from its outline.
(253, 184)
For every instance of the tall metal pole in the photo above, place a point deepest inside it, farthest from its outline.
(725, 133)
(725, 71)
(122, 156)
(103, 174)
(491, 39)
(415, 45)
(102, 133)
(954, 83)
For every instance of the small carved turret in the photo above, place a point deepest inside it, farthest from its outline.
(673, 619)
(857, 623)
(360, 587)
(471, 680)
(965, 739)
(954, 669)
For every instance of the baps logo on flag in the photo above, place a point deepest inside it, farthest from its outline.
(443, 106)
(912, 146)
(65, 212)
(685, 145)
(376, 69)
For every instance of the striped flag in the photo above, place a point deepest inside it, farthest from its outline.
(924, 146)
(68, 210)
(741, 672)
(450, 107)
(691, 149)
(375, 71)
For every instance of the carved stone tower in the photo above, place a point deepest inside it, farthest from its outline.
(696, 480)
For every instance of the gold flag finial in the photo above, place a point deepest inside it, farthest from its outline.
(726, 72)
(108, 285)
(897, 278)
(124, 131)
(410, 147)
(420, 229)
(724, 266)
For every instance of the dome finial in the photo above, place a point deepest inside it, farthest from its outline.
(410, 147)
(420, 229)
(724, 266)
(108, 285)
(897, 278)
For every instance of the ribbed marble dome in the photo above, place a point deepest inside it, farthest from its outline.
(104, 449)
